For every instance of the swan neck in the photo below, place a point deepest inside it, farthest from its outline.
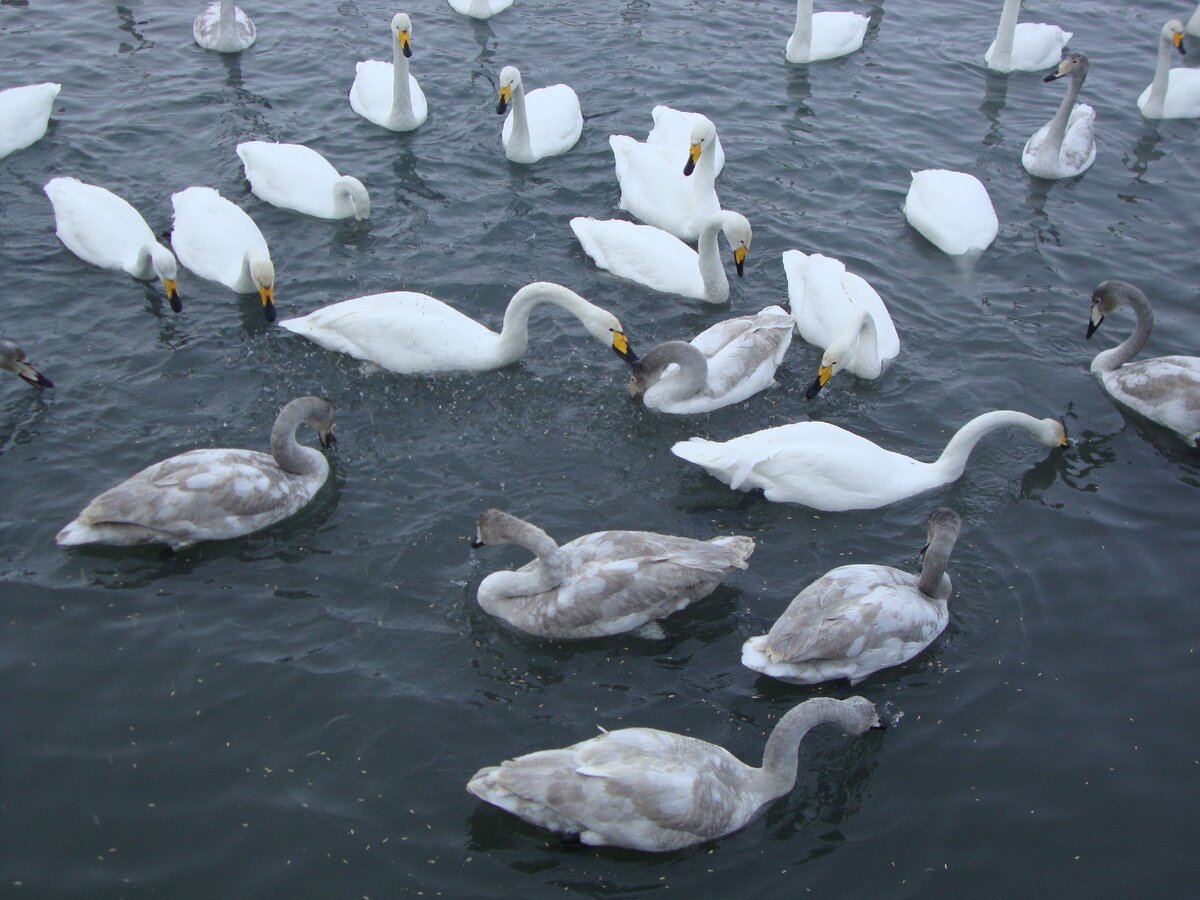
(1006, 33)
(545, 576)
(690, 380)
(1117, 356)
(802, 33)
(1162, 74)
(1058, 125)
(143, 264)
(863, 335)
(290, 455)
(401, 97)
(712, 272)
(520, 127)
(514, 333)
(780, 758)
(937, 556)
(954, 458)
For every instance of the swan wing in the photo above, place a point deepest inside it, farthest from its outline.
(555, 120)
(952, 210)
(835, 34)
(1165, 389)
(291, 176)
(98, 226)
(25, 115)
(749, 351)
(651, 190)
(817, 295)
(212, 237)
(641, 253)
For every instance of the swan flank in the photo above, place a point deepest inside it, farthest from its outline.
(1066, 145)
(839, 312)
(218, 241)
(826, 467)
(25, 115)
(13, 359)
(410, 333)
(952, 210)
(385, 93)
(103, 229)
(296, 177)
(656, 790)
(659, 260)
(212, 495)
(603, 583)
(1164, 389)
(1174, 93)
(855, 620)
(545, 122)
(825, 35)
(479, 9)
(724, 364)
(224, 27)
(1027, 47)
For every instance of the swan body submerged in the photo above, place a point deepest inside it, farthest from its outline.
(1066, 145)
(224, 28)
(603, 583)
(1163, 389)
(296, 177)
(1024, 47)
(479, 9)
(545, 122)
(656, 790)
(1174, 93)
(25, 115)
(13, 359)
(952, 210)
(826, 467)
(103, 229)
(409, 333)
(824, 35)
(209, 495)
(855, 620)
(385, 93)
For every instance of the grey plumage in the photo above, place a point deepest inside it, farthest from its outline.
(12, 359)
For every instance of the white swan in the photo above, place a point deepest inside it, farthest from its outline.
(25, 115)
(838, 311)
(1066, 145)
(103, 229)
(1174, 93)
(385, 93)
(13, 359)
(212, 495)
(218, 241)
(1193, 23)
(678, 198)
(724, 364)
(671, 136)
(952, 210)
(224, 27)
(652, 257)
(297, 177)
(409, 333)
(1028, 47)
(479, 9)
(855, 620)
(545, 122)
(656, 790)
(1164, 389)
(607, 582)
(826, 467)
(825, 35)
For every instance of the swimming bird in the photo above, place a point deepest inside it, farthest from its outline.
(1174, 93)
(293, 176)
(103, 229)
(1163, 389)
(13, 359)
(1027, 47)
(479, 9)
(385, 93)
(409, 333)
(656, 790)
(212, 495)
(855, 620)
(607, 582)
(952, 210)
(218, 241)
(826, 467)
(724, 364)
(25, 115)
(671, 136)
(545, 122)
(1066, 145)
(224, 27)
(825, 35)
(661, 261)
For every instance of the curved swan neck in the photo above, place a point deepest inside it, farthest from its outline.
(1157, 99)
(290, 455)
(143, 265)
(859, 344)
(519, 136)
(545, 576)
(1006, 33)
(1058, 125)
(937, 555)
(689, 381)
(514, 333)
(712, 272)
(780, 761)
(351, 198)
(801, 43)
(1114, 358)
(954, 458)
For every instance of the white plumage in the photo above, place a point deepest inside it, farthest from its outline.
(479, 9)
(224, 28)
(1174, 93)
(824, 35)
(544, 122)
(1024, 47)
(296, 177)
(952, 210)
(385, 93)
(25, 115)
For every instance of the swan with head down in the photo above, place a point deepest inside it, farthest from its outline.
(25, 115)
(292, 176)
(13, 359)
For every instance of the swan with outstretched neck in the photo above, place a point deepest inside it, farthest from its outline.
(1066, 145)
(545, 122)
(656, 790)
(385, 93)
(1024, 47)
(824, 35)
(13, 359)
(224, 28)
(1174, 93)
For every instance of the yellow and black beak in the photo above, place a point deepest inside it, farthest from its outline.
(505, 99)
(1094, 321)
(739, 258)
(693, 157)
(32, 376)
(170, 286)
(620, 345)
(1177, 40)
(824, 373)
(267, 294)
(1058, 72)
(405, 46)
(1066, 442)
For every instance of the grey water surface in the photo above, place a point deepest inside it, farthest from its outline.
(295, 714)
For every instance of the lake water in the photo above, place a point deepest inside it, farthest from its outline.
(297, 713)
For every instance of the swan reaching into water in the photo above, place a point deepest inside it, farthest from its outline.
(603, 583)
(385, 93)
(479, 9)
(826, 467)
(25, 115)
(293, 176)
(724, 364)
(1164, 389)
(410, 333)
(656, 790)
(838, 311)
(825, 35)
(545, 122)
(218, 241)
(212, 495)
(855, 620)
(952, 210)
(13, 359)
(1027, 47)
(1066, 145)
(1174, 93)
(103, 229)
(224, 27)
(659, 260)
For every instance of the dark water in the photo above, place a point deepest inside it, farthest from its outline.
(296, 713)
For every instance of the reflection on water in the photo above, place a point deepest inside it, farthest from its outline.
(799, 90)
(485, 38)
(1145, 151)
(129, 25)
(995, 94)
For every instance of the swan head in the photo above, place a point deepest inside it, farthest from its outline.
(320, 419)
(862, 715)
(1107, 296)
(703, 136)
(739, 234)
(606, 328)
(1051, 433)
(355, 194)
(510, 80)
(163, 262)
(1072, 63)
(402, 29)
(494, 527)
(839, 354)
(942, 520)
(1172, 34)
(12, 359)
(262, 271)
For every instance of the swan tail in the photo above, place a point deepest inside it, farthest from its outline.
(717, 459)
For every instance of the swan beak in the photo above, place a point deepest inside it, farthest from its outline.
(326, 438)
(824, 373)
(32, 376)
(1177, 40)
(739, 259)
(405, 46)
(267, 293)
(476, 542)
(693, 157)
(1066, 441)
(505, 99)
(169, 285)
(1095, 320)
(620, 345)
(1057, 73)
